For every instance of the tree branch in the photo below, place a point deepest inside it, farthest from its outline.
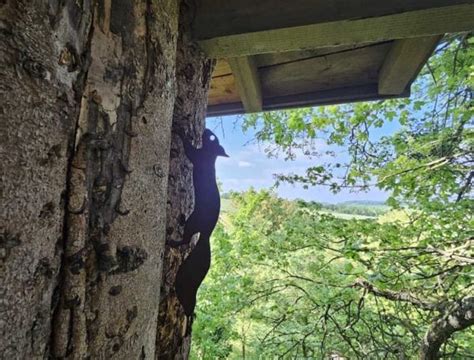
(395, 296)
(465, 187)
(459, 316)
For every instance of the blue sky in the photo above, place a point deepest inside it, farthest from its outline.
(248, 166)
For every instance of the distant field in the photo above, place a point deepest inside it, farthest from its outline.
(346, 216)
(226, 206)
(360, 209)
(346, 210)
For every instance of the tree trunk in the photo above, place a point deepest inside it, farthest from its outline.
(43, 51)
(457, 316)
(88, 92)
(193, 73)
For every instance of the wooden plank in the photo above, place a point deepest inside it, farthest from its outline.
(216, 18)
(222, 68)
(248, 82)
(291, 56)
(417, 23)
(330, 97)
(327, 97)
(352, 68)
(223, 90)
(225, 109)
(404, 62)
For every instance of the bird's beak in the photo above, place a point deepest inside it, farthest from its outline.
(221, 152)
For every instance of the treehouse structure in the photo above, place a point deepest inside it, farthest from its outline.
(275, 54)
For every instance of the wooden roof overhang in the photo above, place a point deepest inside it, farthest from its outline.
(275, 54)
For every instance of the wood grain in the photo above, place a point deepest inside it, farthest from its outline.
(418, 23)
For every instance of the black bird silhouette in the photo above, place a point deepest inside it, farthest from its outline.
(207, 204)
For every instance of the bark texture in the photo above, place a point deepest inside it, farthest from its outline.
(88, 90)
(42, 47)
(193, 74)
(457, 317)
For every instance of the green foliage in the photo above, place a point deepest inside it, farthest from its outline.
(293, 279)
(286, 281)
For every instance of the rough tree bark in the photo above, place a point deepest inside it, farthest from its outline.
(43, 51)
(457, 317)
(193, 73)
(88, 91)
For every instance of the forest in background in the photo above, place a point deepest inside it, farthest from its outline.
(292, 279)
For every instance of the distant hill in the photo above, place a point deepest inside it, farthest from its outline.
(363, 203)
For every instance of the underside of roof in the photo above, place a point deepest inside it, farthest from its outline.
(277, 54)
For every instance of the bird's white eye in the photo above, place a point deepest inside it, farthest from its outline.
(212, 138)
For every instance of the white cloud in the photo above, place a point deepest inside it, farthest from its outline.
(243, 163)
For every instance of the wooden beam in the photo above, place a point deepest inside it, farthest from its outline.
(216, 18)
(327, 97)
(222, 68)
(248, 82)
(404, 62)
(418, 23)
